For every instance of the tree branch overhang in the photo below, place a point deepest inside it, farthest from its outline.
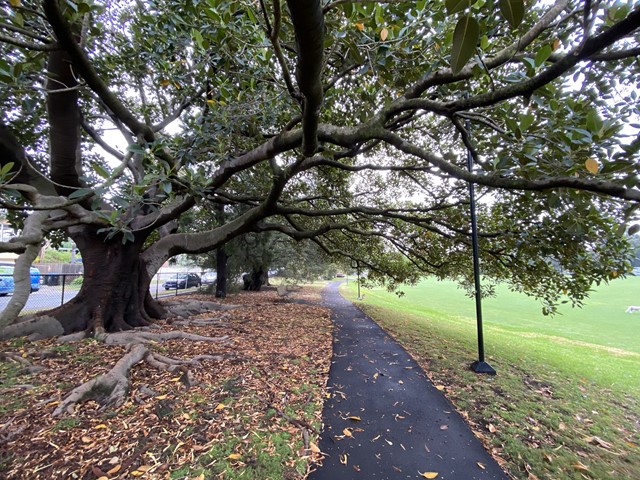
(308, 23)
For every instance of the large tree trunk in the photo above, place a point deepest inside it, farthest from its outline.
(255, 280)
(222, 272)
(114, 292)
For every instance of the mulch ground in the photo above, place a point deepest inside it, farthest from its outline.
(269, 384)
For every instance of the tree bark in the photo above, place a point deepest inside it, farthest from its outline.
(221, 272)
(114, 295)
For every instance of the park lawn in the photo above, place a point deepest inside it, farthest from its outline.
(565, 401)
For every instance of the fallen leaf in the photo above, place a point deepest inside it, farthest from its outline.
(598, 441)
(444, 427)
(86, 439)
(347, 432)
(428, 474)
(492, 428)
(440, 387)
(313, 447)
(355, 419)
(344, 459)
(114, 469)
(102, 425)
(219, 407)
(234, 456)
(481, 465)
(580, 467)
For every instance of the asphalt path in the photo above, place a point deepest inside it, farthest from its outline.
(401, 426)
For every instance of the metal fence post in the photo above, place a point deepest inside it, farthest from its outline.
(64, 279)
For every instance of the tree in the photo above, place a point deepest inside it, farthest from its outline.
(344, 122)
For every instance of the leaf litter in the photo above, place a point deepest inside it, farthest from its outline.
(268, 385)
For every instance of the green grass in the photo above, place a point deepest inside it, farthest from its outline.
(564, 384)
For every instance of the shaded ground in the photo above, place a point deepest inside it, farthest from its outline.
(253, 411)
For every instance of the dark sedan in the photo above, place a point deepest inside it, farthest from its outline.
(183, 280)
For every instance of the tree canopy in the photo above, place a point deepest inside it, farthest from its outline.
(346, 123)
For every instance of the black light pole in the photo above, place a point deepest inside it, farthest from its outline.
(479, 366)
(356, 265)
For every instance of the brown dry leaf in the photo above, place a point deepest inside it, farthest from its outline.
(428, 474)
(144, 468)
(314, 448)
(114, 469)
(360, 26)
(219, 407)
(347, 432)
(199, 477)
(344, 459)
(354, 418)
(234, 456)
(481, 465)
(492, 428)
(444, 427)
(384, 33)
(440, 387)
(598, 441)
(86, 439)
(580, 467)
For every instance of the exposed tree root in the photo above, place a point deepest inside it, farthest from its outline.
(185, 309)
(134, 337)
(111, 388)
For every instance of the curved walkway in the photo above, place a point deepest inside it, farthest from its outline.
(407, 428)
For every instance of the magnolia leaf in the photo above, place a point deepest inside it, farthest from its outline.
(481, 465)
(556, 44)
(313, 447)
(455, 6)
(428, 474)
(100, 170)
(135, 148)
(384, 33)
(465, 39)
(219, 407)
(512, 11)
(347, 432)
(354, 418)
(592, 165)
(594, 122)
(360, 26)
(543, 54)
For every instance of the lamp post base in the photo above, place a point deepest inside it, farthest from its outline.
(482, 367)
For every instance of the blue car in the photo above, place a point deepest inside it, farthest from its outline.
(6, 279)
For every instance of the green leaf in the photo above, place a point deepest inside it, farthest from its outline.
(594, 122)
(465, 39)
(455, 6)
(135, 148)
(543, 54)
(512, 11)
(526, 119)
(81, 192)
(6, 168)
(100, 170)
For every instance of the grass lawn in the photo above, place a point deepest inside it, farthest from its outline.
(565, 401)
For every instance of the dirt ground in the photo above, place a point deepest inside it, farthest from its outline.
(262, 393)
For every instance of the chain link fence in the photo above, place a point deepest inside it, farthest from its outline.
(55, 289)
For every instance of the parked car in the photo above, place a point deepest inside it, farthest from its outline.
(6, 279)
(183, 280)
(209, 278)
